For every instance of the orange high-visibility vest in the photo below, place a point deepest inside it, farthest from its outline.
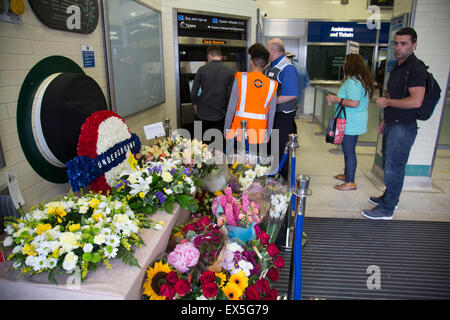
(255, 92)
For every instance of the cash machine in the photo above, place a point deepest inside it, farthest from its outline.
(195, 33)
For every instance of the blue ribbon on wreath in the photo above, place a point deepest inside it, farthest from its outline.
(82, 170)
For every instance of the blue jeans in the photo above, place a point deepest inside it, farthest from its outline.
(396, 146)
(349, 149)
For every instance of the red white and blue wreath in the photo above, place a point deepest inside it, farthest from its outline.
(102, 152)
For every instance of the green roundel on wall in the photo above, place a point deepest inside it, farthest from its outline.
(72, 16)
(55, 99)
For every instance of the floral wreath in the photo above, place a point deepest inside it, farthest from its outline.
(102, 152)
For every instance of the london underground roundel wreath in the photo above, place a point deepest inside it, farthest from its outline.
(105, 147)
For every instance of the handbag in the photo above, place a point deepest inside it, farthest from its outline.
(336, 126)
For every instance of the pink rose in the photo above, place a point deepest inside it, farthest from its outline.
(184, 256)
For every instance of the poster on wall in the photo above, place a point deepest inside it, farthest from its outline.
(79, 16)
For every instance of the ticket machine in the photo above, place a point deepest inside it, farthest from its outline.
(195, 33)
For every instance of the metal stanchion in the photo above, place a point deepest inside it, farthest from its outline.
(338, 150)
(242, 145)
(167, 128)
(292, 144)
(301, 191)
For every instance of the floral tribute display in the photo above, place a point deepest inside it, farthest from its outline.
(206, 265)
(74, 234)
(105, 148)
(158, 185)
(191, 153)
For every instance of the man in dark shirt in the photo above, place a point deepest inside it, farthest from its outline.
(406, 89)
(215, 79)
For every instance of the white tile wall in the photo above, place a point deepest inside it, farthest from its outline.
(22, 46)
(432, 22)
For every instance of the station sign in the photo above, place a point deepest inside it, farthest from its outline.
(188, 21)
(331, 31)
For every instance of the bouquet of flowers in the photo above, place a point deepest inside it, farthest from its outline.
(279, 204)
(157, 185)
(74, 235)
(245, 273)
(243, 176)
(193, 154)
(238, 215)
(161, 149)
(207, 238)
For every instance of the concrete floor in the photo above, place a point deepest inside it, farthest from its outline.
(315, 160)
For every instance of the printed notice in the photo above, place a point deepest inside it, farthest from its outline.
(154, 130)
(88, 56)
(14, 190)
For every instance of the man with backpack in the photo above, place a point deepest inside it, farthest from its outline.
(411, 95)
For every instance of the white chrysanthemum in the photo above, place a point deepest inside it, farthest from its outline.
(9, 229)
(245, 267)
(112, 240)
(112, 254)
(88, 247)
(8, 241)
(70, 261)
(234, 246)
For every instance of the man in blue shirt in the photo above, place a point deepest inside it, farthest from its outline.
(282, 70)
(303, 79)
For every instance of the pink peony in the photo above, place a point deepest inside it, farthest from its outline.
(184, 256)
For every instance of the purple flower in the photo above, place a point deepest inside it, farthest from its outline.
(187, 172)
(160, 197)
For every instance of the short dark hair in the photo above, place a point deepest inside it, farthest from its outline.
(407, 31)
(260, 57)
(214, 50)
(256, 46)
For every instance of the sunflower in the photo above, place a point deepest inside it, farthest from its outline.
(222, 278)
(232, 291)
(240, 280)
(156, 277)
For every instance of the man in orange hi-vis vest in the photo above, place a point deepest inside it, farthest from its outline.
(253, 98)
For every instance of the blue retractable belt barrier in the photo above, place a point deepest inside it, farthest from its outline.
(283, 160)
(298, 237)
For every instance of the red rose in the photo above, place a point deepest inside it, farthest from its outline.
(273, 250)
(272, 274)
(182, 287)
(262, 285)
(207, 277)
(172, 277)
(189, 227)
(278, 262)
(264, 238)
(251, 293)
(167, 290)
(205, 221)
(271, 294)
(210, 289)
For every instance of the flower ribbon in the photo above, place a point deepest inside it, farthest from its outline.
(83, 170)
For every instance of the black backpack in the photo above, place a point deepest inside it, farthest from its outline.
(431, 97)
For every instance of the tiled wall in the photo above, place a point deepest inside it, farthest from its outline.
(22, 46)
(432, 24)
